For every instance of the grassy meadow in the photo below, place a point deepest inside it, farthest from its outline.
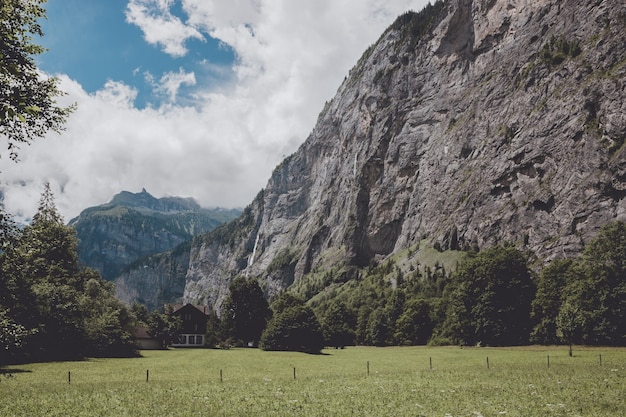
(462, 382)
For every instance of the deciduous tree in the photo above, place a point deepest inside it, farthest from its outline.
(293, 327)
(490, 302)
(28, 108)
(245, 311)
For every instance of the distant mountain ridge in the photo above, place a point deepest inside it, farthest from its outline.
(133, 226)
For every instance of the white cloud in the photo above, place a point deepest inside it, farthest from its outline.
(171, 82)
(291, 58)
(160, 26)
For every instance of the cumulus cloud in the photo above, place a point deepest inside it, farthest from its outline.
(171, 82)
(290, 58)
(160, 26)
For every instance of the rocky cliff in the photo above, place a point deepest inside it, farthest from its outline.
(156, 280)
(115, 238)
(468, 124)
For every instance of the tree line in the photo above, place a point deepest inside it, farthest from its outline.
(51, 308)
(493, 298)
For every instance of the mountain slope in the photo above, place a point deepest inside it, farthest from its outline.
(132, 226)
(470, 123)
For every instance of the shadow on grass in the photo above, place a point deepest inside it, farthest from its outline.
(11, 371)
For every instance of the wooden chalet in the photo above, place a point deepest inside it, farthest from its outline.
(193, 330)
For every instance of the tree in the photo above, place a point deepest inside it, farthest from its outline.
(293, 327)
(71, 311)
(164, 327)
(338, 325)
(44, 284)
(28, 109)
(414, 326)
(490, 300)
(598, 287)
(377, 328)
(245, 312)
(8, 229)
(569, 322)
(12, 336)
(106, 320)
(548, 300)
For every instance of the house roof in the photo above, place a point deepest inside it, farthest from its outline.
(177, 307)
(140, 333)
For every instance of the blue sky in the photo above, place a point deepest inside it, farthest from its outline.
(92, 42)
(192, 98)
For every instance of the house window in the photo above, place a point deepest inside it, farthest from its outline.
(183, 339)
(198, 340)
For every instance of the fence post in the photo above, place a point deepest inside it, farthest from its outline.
(147, 375)
(221, 380)
(368, 368)
(294, 373)
(69, 377)
(487, 362)
(431, 363)
(600, 359)
(548, 361)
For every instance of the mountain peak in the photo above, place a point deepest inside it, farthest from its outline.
(145, 200)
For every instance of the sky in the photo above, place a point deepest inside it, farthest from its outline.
(190, 98)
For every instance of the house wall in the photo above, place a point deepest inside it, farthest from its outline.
(149, 344)
(190, 340)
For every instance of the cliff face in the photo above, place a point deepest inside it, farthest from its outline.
(142, 243)
(135, 225)
(470, 123)
(156, 280)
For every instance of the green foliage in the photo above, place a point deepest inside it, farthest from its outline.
(338, 325)
(569, 322)
(12, 336)
(415, 325)
(245, 312)
(69, 312)
(413, 26)
(164, 326)
(213, 330)
(558, 49)
(293, 327)
(548, 299)
(27, 100)
(599, 290)
(489, 302)
(284, 258)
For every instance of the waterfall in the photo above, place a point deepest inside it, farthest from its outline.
(256, 242)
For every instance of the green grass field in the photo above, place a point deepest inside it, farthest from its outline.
(517, 382)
